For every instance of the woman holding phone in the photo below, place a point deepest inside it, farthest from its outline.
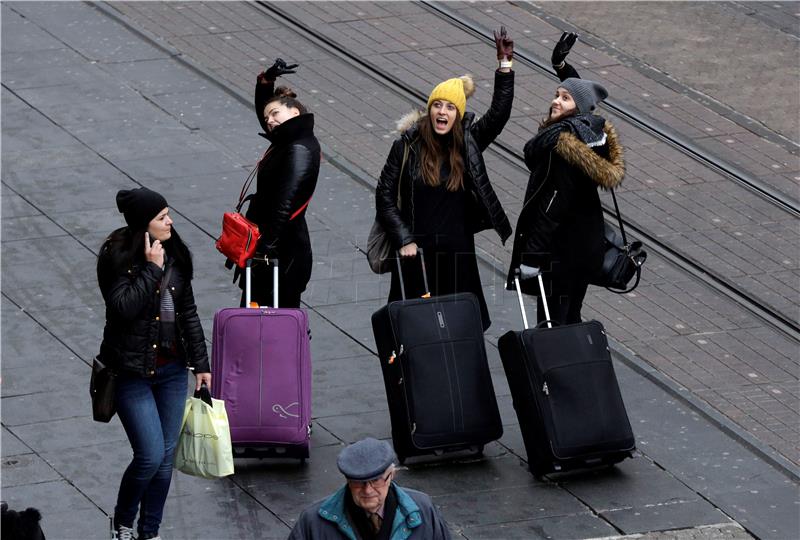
(152, 336)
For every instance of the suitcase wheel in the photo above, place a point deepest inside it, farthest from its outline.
(538, 472)
(477, 449)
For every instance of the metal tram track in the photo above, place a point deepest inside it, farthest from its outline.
(636, 118)
(781, 322)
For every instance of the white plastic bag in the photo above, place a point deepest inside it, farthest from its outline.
(204, 447)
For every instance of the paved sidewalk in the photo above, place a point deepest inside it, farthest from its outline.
(697, 52)
(720, 352)
(89, 107)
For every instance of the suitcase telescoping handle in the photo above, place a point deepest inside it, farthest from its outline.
(247, 290)
(424, 274)
(522, 305)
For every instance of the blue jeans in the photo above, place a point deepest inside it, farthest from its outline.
(151, 411)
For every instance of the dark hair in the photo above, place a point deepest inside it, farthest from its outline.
(124, 249)
(547, 121)
(286, 96)
(433, 150)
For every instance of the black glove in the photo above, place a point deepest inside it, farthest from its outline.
(279, 68)
(562, 48)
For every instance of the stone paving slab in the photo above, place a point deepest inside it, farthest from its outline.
(266, 496)
(695, 56)
(707, 532)
(381, 8)
(334, 82)
(687, 201)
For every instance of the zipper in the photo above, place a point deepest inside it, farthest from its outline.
(546, 175)
(545, 389)
(551, 201)
(249, 238)
(394, 356)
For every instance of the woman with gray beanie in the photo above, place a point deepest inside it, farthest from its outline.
(152, 335)
(560, 228)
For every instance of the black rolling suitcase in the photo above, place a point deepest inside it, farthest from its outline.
(566, 395)
(437, 378)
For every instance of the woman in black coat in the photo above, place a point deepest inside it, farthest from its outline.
(560, 227)
(444, 195)
(152, 334)
(287, 177)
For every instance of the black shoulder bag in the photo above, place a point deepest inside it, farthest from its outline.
(102, 388)
(379, 247)
(621, 260)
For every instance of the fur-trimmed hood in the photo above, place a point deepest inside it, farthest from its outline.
(606, 172)
(409, 120)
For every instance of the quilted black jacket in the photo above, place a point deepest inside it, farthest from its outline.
(478, 134)
(132, 309)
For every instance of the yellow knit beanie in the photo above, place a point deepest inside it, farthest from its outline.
(456, 91)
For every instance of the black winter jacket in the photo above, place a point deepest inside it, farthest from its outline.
(561, 219)
(478, 134)
(133, 303)
(286, 181)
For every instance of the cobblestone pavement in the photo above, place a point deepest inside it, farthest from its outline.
(89, 106)
(762, 37)
(719, 352)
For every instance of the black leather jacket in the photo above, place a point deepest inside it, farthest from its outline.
(478, 134)
(132, 310)
(286, 181)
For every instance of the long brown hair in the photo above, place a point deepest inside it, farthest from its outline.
(433, 150)
(547, 121)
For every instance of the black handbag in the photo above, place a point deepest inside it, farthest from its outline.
(622, 260)
(379, 247)
(102, 388)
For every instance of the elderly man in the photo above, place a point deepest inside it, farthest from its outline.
(371, 505)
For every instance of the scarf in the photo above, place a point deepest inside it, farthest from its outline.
(587, 127)
(166, 328)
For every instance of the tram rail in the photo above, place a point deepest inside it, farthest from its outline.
(784, 323)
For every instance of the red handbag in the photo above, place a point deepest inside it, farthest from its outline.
(240, 235)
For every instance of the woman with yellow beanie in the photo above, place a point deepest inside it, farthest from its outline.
(434, 191)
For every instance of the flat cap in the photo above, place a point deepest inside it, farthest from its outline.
(366, 459)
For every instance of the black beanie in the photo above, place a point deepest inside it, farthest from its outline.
(140, 206)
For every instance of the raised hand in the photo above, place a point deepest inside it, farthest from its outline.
(154, 253)
(279, 68)
(562, 48)
(504, 44)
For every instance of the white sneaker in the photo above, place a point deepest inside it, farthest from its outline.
(122, 532)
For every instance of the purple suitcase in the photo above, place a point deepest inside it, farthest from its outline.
(262, 370)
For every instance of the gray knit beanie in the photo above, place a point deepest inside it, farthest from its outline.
(587, 94)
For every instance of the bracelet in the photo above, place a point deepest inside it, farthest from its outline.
(506, 64)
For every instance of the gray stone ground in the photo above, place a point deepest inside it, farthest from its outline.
(762, 37)
(88, 107)
(719, 352)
